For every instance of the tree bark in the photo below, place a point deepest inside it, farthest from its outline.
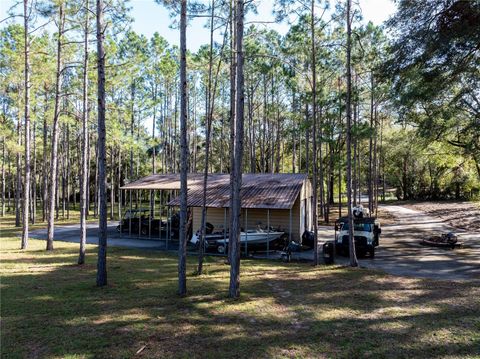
(34, 176)
(207, 145)
(3, 176)
(54, 157)
(370, 152)
(234, 238)
(314, 135)
(26, 184)
(18, 184)
(182, 246)
(45, 163)
(102, 223)
(353, 256)
(67, 175)
(84, 169)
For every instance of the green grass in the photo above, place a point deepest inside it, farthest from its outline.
(51, 308)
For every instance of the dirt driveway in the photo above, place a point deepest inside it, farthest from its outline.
(401, 253)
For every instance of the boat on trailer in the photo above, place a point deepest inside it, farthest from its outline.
(252, 239)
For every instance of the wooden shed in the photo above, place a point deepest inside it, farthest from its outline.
(279, 200)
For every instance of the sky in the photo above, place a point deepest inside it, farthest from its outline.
(150, 17)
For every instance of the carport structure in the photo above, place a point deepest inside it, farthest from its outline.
(280, 201)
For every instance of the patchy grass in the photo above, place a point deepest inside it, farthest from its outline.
(51, 308)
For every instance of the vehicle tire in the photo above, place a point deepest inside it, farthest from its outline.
(222, 249)
(372, 252)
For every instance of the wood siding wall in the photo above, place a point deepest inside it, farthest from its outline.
(279, 219)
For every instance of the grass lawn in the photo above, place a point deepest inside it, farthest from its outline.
(50, 308)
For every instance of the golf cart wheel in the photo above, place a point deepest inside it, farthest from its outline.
(372, 252)
(222, 249)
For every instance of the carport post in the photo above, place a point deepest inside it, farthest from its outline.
(290, 227)
(246, 234)
(168, 220)
(160, 212)
(150, 214)
(268, 232)
(120, 212)
(130, 214)
(225, 230)
(139, 213)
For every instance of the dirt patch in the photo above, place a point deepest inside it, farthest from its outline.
(463, 215)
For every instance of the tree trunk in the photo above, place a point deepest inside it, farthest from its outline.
(370, 152)
(54, 158)
(45, 164)
(314, 135)
(112, 184)
(34, 175)
(26, 184)
(182, 245)
(3, 175)
(67, 176)
(353, 256)
(207, 144)
(234, 238)
(102, 223)
(84, 169)
(18, 183)
(232, 111)
(354, 140)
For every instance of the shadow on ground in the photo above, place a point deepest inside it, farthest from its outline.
(50, 307)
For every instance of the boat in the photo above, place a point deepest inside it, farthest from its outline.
(252, 239)
(448, 240)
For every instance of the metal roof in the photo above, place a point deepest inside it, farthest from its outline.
(266, 191)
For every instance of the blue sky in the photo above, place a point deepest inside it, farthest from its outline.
(150, 17)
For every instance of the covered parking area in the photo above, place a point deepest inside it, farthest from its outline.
(271, 203)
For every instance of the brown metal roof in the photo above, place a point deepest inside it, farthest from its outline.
(267, 191)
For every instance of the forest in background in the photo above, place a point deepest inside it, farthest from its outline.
(415, 101)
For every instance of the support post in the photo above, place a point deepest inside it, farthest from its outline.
(168, 220)
(150, 214)
(245, 231)
(290, 227)
(160, 215)
(225, 230)
(130, 214)
(268, 233)
(120, 219)
(139, 207)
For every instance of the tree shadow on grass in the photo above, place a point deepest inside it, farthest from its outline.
(285, 310)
